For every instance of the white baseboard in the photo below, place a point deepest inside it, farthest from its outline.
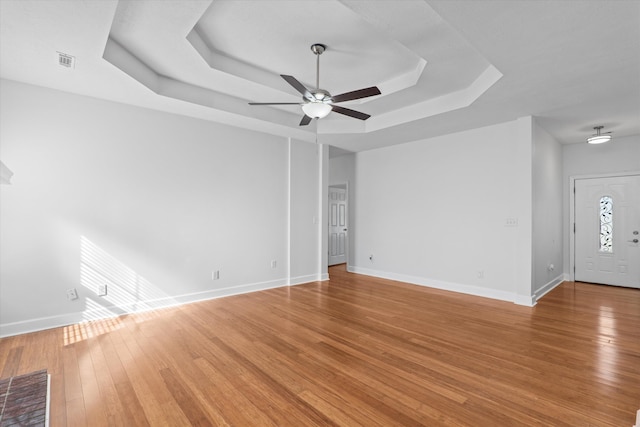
(307, 279)
(548, 287)
(439, 284)
(526, 300)
(105, 312)
(39, 324)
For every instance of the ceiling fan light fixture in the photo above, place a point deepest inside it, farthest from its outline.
(318, 103)
(598, 138)
(316, 110)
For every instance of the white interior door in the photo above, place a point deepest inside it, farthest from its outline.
(607, 230)
(337, 226)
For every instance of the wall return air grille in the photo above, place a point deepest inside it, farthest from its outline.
(65, 60)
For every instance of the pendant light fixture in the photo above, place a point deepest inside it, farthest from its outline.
(599, 138)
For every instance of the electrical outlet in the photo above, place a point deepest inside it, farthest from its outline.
(102, 290)
(72, 294)
(480, 274)
(215, 275)
(274, 264)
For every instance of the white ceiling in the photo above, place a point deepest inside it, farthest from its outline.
(441, 65)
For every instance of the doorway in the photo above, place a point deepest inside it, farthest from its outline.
(606, 230)
(338, 225)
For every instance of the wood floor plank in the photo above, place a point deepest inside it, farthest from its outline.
(190, 407)
(293, 380)
(354, 350)
(157, 401)
(296, 355)
(11, 364)
(74, 397)
(189, 366)
(132, 410)
(55, 368)
(110, 399)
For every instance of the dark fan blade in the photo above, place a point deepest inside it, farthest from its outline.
(356, 94)
(275, 103)
(350, 113)
(305, 120)
(297, 85)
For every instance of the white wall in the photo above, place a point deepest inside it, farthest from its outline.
(621, 155)
(342, 169)
(147, 202)
(342, 172)
(434, 212)
(547, 212)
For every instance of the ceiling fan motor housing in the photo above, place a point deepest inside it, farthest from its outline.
(320, 95)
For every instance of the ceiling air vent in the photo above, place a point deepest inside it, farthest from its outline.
(65, 60)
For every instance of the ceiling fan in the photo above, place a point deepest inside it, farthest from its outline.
(318, 103)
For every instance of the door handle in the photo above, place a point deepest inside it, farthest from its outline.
(633, 241)
(344, 229)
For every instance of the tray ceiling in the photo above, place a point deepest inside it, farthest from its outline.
(442, 66)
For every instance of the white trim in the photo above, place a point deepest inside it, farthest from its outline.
(572, 213)
(47, 411)
(447, 286)
(527, 301)
(293, 281)
(289, 148)
(548, 287)
(42, 323)
(39, 324)
(321, 209)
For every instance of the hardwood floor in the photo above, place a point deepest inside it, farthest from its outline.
(351, 351)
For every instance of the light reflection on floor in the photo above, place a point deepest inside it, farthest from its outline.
(607, 348)
(86, 330)
(94, 328)
(128, 293)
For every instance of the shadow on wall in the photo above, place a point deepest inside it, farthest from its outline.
(125, 292)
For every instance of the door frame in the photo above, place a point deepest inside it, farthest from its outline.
(572, 213)
(342, 186)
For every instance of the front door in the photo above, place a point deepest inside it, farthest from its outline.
(337, 226)
(607, 230)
